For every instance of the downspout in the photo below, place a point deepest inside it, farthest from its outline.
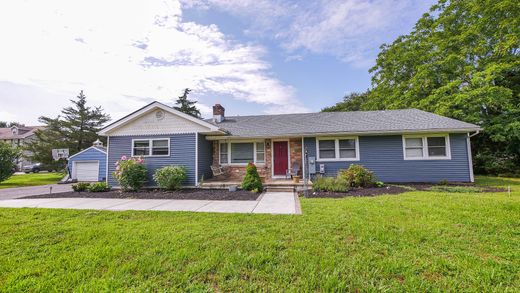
(470, 157)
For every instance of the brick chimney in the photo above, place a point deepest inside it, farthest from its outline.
(218, 113)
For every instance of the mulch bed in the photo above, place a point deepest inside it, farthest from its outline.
(201, 194)
(426, 186)
(397, 189)
(370, 191)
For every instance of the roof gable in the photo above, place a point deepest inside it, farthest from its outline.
(93, 148)
(157, 118)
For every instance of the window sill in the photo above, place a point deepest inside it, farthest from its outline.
(242, 164)
(427, 158)
(337, 160)
(151, 156)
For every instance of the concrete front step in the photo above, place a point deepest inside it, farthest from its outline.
(279, 188)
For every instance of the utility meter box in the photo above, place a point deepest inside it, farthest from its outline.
(322, 168)
(312, 165)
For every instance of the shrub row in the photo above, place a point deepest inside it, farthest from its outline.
(131, 174)
(354, 176)
(91, 187)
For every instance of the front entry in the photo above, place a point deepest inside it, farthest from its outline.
(280, 158)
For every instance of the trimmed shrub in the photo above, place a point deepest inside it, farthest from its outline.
(357, 176)
(170, 177)
(332, 184)
(80, 186)
(98, 187)
(130, 173)
(252, 180)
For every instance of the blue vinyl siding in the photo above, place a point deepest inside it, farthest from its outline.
(384, 156)
(205, 149)
(182, 152)
(92, 154)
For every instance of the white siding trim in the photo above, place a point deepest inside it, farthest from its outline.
(106, 170)
(196, 158)
(92, 147)
(470, 159)
(156, 105)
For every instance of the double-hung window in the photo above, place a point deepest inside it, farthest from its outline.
(151, 147)
(241, 153)
(430, 147)
(339, 149)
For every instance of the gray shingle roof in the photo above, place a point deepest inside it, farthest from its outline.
(408, 120)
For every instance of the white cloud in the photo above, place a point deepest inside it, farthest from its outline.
(125, 52)
(351, 30)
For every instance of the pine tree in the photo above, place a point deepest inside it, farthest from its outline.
(186, 106)
(75, 129)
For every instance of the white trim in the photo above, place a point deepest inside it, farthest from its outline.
(74, 169)
(150, 107)
(425, 147)
(196, 158)
(336, 149)
(303, 158)
(470, 159)
(150, 147)
(77, 154)
(229, 142)
(354, 133)
(288, 157)
(106, 170)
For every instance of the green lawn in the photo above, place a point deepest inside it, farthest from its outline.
(417, 241)
(32, 179)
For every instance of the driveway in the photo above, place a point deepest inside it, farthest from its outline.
(267, 203)
(10, 193)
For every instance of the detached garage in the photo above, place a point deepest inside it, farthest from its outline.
(90, 164)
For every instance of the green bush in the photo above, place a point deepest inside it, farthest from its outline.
(332, 184)
(130, 173)
(80, 186)
(8, 156)
(252, 180)
(170, 177)
(98, 187)
(357, 176)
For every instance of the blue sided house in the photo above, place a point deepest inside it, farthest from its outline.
(89, 165)
(397, 145)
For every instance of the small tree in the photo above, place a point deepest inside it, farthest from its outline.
(130, 173)
(252, 180)
(8, 157)
(186, 106)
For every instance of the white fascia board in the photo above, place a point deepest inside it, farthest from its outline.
(156, 105)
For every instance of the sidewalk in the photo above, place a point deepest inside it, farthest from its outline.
(268, 203)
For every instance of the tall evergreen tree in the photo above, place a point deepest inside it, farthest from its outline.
(76, 128)
(186, 106)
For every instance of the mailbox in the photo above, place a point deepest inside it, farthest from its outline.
(312, 165)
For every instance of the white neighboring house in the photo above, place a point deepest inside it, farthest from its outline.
(19, 136)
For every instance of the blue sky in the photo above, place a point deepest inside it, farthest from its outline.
(252, 56)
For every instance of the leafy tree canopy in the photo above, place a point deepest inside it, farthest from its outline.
(76, 128)
(461, 60)
(4, 124)
(186, 106)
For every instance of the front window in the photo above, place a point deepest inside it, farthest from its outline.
(151, 147)
(341, 149)
(241, 153)
(426, 147)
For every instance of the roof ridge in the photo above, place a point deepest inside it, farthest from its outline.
(306, 113)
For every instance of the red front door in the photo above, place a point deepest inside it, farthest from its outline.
(280, 158)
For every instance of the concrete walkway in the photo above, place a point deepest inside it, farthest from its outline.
(10, 193)
(267, 203)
